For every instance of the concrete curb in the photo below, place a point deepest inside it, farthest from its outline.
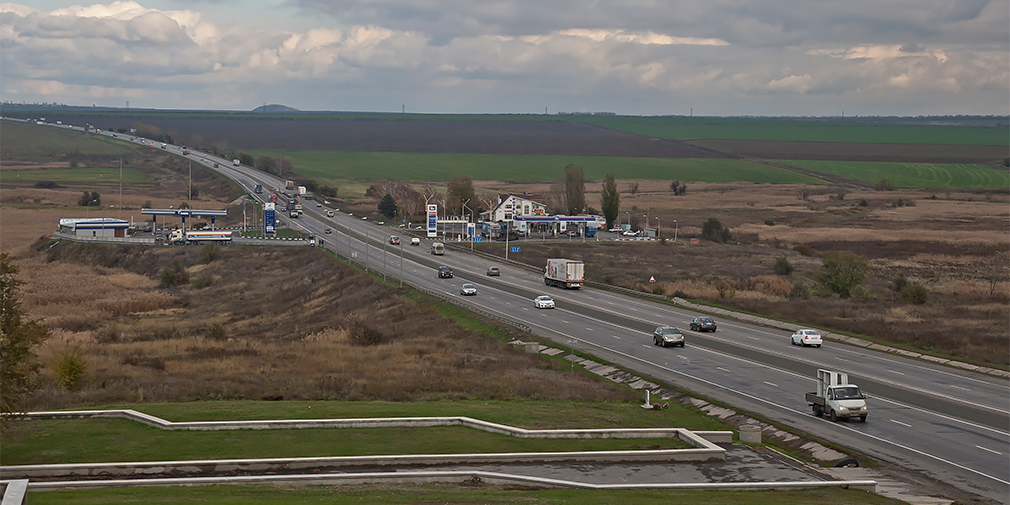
(446, 476)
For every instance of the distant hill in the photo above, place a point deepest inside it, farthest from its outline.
(273, 108)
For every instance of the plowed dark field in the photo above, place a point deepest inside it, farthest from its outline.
(560, 138)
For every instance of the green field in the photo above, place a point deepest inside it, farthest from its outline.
(913, 175)
(104, 440)
(400, 494)
(332, 165)
(72, 177)
(800, 130)
(29, 141)
(858, 130)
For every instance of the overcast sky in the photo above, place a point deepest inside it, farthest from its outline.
(641, 57)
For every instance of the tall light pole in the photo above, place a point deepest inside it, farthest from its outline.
(401, 263)
(659, 226)
(384, 261)
(675, 231)
(468, 221)
(629, 218)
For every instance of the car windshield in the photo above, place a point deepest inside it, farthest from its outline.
(468, 286)
(847, 392)
(669, 330)
(544, 298)
(705, 319)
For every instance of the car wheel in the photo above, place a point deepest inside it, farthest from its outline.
(818, 346)
(834, 417)
(862, 419)
(681, 345)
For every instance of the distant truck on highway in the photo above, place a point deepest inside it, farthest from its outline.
(196, 237)
(570, 274)
(836, 397)
(437, 248)
(236, 162)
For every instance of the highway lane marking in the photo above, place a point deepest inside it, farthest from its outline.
(632, 308)
(526, 308)
(752, 338)
(615, 336)
(611, 303)
(772, 384)
(590, 329)
(646, 346)
(987, 449)
(724, 369)
(959, 387)
(895, 371)
(566, 322)
(901, 423)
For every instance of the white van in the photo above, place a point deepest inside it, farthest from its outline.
(437, 248)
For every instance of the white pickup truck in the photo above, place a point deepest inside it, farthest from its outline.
(836, 397)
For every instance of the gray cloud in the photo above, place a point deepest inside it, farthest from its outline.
(641, 57)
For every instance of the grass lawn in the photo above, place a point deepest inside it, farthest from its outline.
(800, 130)
(109, 440)
(29, 141)
(913, 175)
(81, 176)
(399, 494)
(331, 165)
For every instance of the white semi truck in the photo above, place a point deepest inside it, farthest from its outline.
(196, 237)
(569, 274)
(836, 397)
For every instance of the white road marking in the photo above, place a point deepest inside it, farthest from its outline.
(752, 338)
(987, 449)
(634, 309)
(526, 308)
(901, 423)
(724, 369)
(645, 346)
(895, 371)
(563, 321)
(772, 384)
(959, 387)
(590, 329)
(615, 336)
(611, 303)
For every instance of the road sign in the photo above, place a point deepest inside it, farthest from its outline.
(652, 279)
(514, 248)
(478, 239)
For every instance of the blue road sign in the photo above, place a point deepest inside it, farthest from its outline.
(478, 239)
(514, 248)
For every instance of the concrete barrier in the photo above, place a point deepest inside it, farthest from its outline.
(750, 433)
(438, 476)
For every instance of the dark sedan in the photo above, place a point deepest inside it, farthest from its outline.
(703, 324)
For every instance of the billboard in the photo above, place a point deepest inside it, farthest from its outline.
(471, 230)
(269, 221)
(432, 220)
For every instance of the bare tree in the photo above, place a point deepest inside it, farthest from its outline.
(575, 189)
(284, 166)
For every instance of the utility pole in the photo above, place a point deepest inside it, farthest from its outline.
(121, 188)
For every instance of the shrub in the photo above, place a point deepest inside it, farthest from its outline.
(216, 332)
(609, 279)
(884, 185)
(713, 230)
(840, 196)
(769, 222)
(726, 289)
(800, 291)
(174, 275)
(863, 202)
(782, 266)
(915, 295)
(658, 289)
(843, 271)
(208, 254)
(899, 283)
(46, 185)
(204, 280)
(804, 249)
(363, 333)
(70, 369)
(146, 205)
(107, 334)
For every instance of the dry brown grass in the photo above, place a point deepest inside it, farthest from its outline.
(299, 326)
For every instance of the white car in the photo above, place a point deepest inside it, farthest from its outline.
(543, 302)
(630, 233)
(415, 241)
(806, 337)
(468, 290)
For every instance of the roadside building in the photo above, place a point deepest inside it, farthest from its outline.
(510, 205)
(94, 227)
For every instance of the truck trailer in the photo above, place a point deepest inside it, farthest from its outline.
(196, 237)
(570, 274)
(836, 397)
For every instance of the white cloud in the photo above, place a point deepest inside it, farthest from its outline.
(719, 56)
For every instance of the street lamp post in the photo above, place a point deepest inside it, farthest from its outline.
(384, 261)
(401, 264)
(659, 226)
(629, 218)
(468, 221)
(677, 230)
